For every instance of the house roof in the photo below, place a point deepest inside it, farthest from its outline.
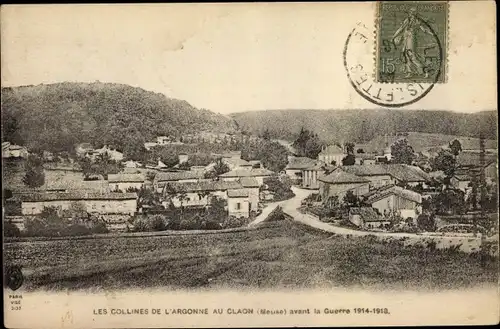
(366, 156)
(15, 147)
(179, 175)
(204, 185)
(466, 159)
(368, 214)
(249, 182)
(75, 196)
(388, 190)
(240, 193)
(60, 183)
(331, 149)
(300, 163)
(463, 178)
(126, 178)
(254, 172)
(318, 166)
(85, 146)
(237, 162)
(401, 172)
(339, 176)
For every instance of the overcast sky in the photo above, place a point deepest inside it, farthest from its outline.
(230, 58)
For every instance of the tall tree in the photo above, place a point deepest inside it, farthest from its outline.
(307, 144)
(455, 147)
(266, 135)
(34, 176)
(349, 147)
(105, 165)
(402, 152)
(444, 161)
(349, 160)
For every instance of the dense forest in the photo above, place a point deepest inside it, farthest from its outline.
(56, 116)
(364, 125)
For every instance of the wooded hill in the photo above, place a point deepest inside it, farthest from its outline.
(364, 125)
(54, 117)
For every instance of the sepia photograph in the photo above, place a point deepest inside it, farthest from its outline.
(250, 164)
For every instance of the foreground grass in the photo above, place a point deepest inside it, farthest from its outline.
(277, 255)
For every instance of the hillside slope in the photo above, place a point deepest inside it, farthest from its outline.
(364, 125)
(56, 116)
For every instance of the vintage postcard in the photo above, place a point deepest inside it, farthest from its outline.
(249, 165)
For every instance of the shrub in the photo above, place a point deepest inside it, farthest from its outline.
(76, 230)
(99, 228)
(158, 223)
(276, 215)
(426, 223)
(10, 229)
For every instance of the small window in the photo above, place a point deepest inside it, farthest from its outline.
(238, 206)
(94, 206)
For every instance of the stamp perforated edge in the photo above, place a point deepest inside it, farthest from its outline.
(377, 42)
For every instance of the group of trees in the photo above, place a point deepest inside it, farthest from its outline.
(307, 144)
(402, 152)
(350, 158)
(57, 116)
(103, 165)
(281, 187)
(71, 222)
(34, 175)
(364, 125)
(219, 168)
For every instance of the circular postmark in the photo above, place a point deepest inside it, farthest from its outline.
(359, 62)
(13, 277)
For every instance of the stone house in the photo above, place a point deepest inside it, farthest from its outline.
(394, 199)
(295, 167)
(331, 154)
(162, 178)
(13, 151)
(122, 182)
(386, 174)
(252, 186)
(338, 183)
(101, 203)
(310, 175)
(258, 174)
(238, 204)
(367, 218)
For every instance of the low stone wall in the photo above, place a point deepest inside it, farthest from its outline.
(465, 242)
(117, 223)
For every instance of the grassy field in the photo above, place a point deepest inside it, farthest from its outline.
(275, 255)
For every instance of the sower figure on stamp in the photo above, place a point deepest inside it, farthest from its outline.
(407, 34)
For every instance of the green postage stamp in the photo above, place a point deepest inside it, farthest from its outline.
(411, 42)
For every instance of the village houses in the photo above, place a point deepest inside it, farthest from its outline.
(242, 196)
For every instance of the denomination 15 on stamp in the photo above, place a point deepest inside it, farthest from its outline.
(411, 42)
